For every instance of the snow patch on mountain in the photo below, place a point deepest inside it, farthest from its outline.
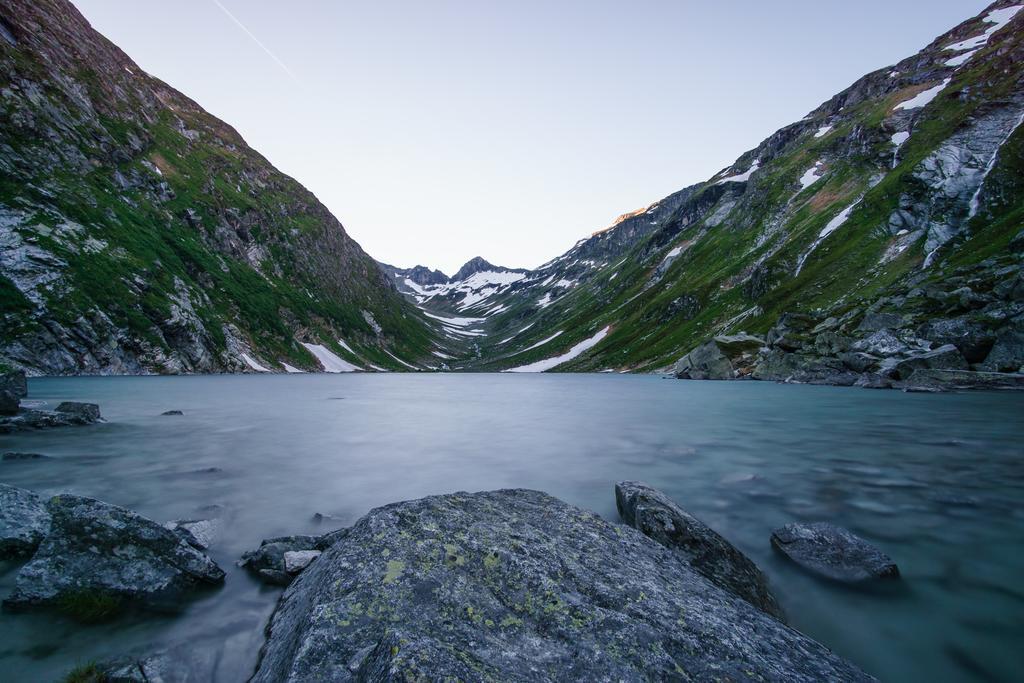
(551, 363)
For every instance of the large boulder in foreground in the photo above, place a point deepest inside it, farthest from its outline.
(516, 585)
(657, 516)
(101, 552)
(833, 552)
(24, 522)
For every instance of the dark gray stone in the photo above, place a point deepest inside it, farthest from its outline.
(14, 381)
(833, 552)
(657, 516)
(724, 357)
(198, 533)
(270, 561)
(10, 404)
(518, 586)
(172, 412)
(24, 522)
(1007, 355)
(86, 411)
(104, 549)
(946, 357)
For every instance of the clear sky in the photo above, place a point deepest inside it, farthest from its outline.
(442, 130)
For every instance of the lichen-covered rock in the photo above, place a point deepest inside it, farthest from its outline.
(833, 552)
(518, 586)
(657, 516)
(99, 549)
(24, 522)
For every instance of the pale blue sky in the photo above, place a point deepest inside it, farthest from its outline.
(437, 131)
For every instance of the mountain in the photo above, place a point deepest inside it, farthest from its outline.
(883, 227)
(140, 234)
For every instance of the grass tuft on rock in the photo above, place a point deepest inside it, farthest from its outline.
(90, 672)
(90, 607)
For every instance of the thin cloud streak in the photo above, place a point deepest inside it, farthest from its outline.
(255, 39)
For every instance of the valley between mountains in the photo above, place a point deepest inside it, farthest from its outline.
(877, 239)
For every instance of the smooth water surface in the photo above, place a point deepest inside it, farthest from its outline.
(936, 480)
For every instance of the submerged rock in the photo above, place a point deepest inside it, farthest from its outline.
(657, 516)
(516, 585)
(17, 455)
(24, 522)
(833, 552)
(100, 551)
(172, 412)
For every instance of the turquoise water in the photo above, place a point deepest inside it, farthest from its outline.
(937, 481)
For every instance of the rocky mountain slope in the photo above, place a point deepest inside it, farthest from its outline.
(140, 234)
(889, 220)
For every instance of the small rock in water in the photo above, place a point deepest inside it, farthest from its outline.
(172, 412)
(24, 522)
(271, 560)
(97, 551)
(12, 455)
(199, 533)
(85, 411)
(658, 517)
(297, 560)
(833, 552)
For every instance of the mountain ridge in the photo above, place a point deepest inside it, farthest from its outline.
(897, 181)
(141, 234)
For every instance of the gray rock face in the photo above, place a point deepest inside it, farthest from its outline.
(833, 552)
(102, 549)
(724, 357)
(517, 586)
(657, 516)
(86, 411)
(24, 522)
(943, 358)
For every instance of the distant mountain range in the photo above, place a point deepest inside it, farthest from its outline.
(891, 215)
(140, 234)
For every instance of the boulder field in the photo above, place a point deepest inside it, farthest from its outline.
(508, 585)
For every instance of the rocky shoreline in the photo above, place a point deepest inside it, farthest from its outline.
(14, 417)
(964, 333)
(498, 585)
